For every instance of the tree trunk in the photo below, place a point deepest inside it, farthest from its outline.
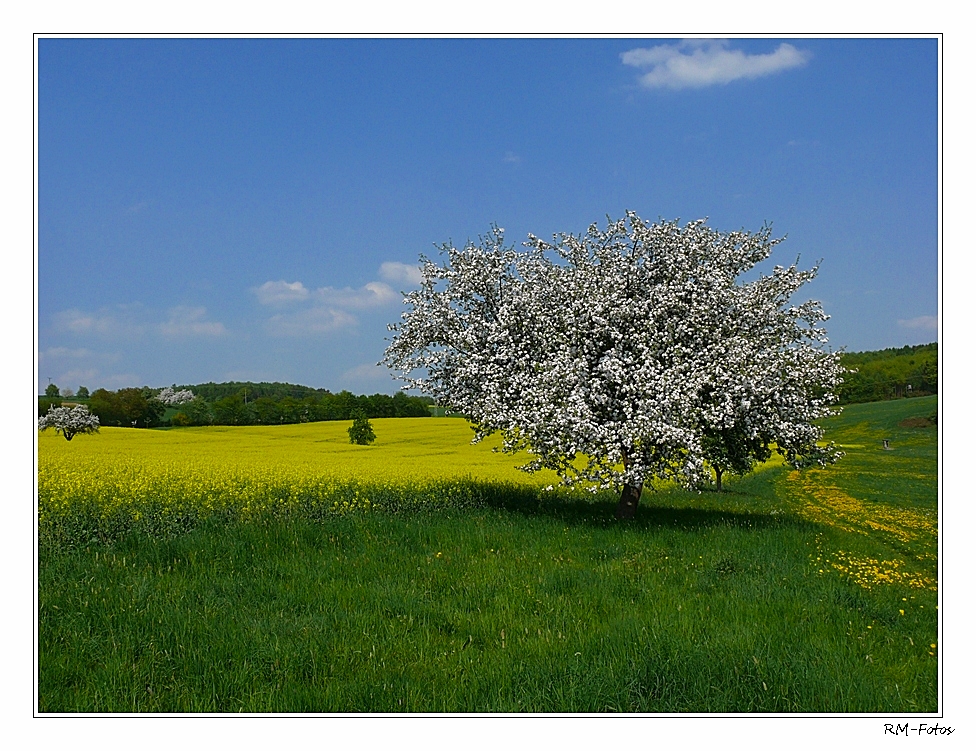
(629, 498)
(718, 480)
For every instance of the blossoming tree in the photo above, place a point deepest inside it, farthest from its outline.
(69, 421)
(173, 398)
(625, 354)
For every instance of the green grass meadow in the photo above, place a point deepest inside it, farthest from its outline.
(811, 592)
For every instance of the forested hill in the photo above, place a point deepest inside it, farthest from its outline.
(890, 373)
(213, 391)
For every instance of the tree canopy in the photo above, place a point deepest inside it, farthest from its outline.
(625, 354)
(361, 431)
(69, 421)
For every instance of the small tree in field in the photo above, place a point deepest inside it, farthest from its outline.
(69, 421)
(361, 431)
(52, 391)
(625, 354)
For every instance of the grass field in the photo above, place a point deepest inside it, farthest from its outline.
(285, 570)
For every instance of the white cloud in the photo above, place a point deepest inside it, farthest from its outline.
(512, 158)
(921, 323)
(329, 308)
(102, 323)
(371, 295)
(369, 373)
(187, 321)
(121, 381)
(701, 63)
(277, 293)
(78, 377)
(318, 320)
(403, 273)
(70, 368)
(366, 370)
(79, 323)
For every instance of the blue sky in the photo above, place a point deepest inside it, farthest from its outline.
(242, 209)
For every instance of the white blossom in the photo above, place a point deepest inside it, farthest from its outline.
(69, 421)
(624, 354)
(173, 398)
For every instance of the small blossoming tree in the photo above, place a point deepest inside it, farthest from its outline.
(69, 421)
(624, 355)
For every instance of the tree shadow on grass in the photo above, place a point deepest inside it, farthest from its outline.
(599, 510)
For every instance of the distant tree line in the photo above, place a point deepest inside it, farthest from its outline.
(241, 408)
(890, 373)
(237, 404)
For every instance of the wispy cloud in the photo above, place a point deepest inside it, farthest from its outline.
(77, 377)
(280, 293)
(121, 381)
(317, 320)
(63, 353)
(512, 158)
(72, 367)
(699, 63)
(401, 273)
(921, 323)
(190, 321)
(93, 379)
(128, 322)
(371, 295)
(376, 376)
(104, 323)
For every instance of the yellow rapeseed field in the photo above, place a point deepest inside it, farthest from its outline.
(122, 477)
(405, 449)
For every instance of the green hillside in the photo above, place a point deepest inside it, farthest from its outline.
(890, 373)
